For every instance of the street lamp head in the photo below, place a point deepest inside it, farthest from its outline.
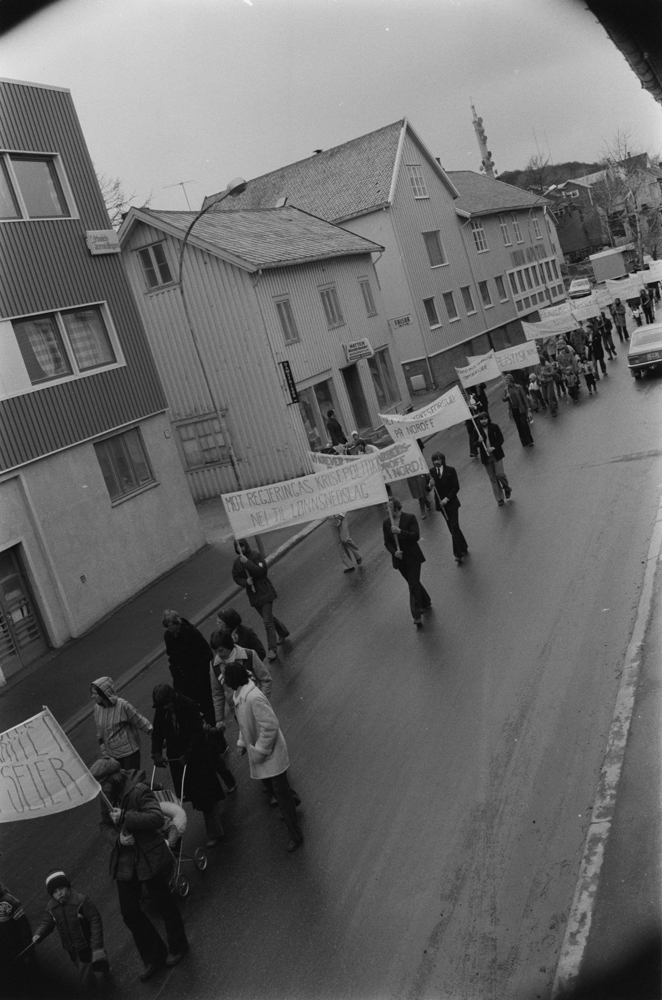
(237, 186)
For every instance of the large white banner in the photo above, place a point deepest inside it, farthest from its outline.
(551, 327)
(626, 288)
(655, 271)
(345, 487)
(561, 309)
(520, 356)
(586, 308)
(479, 369)
(399, 461)
(40, 772)
(449, 409)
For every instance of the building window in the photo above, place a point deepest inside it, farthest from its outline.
(124, 463)
(485, 293)
(155, 265)
(449, 302)
(468, 299)
(534, 272)
(513, 283)
(370, 307)
(536, 226)
(417, 180)
(550, 276)
(479, 235)
(30, 188)
(383, 379)
(56, 345)
(331, 305)
(554, 268)
(505, 232)
(203, 443)
(287, 322)
(516, 228)
(501, 288)
(527, 275)
(434, 248)
(431, 312)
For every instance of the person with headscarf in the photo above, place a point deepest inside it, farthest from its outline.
(118, 724)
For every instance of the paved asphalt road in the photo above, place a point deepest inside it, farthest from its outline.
(446, 774)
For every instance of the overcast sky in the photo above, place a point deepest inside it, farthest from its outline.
(204, 90)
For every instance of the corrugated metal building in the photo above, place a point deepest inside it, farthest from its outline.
(278, 302)
(89, 476)
(442, 280)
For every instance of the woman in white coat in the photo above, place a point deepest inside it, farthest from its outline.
(261, 738)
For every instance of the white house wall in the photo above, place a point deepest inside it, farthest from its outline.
(237, 360)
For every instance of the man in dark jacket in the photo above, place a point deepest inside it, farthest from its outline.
(490, 441)
(336, 433)
(249, 571)
(229, 620)
(189, 656)
(178, 725)
(139, 856)
(446, 486)
(401, 537)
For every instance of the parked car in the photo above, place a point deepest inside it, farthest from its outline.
(579, 288)
(645, 351)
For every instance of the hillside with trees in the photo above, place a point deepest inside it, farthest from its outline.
(539, 174)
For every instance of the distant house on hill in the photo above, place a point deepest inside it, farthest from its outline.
(287, 321)
(455, 281)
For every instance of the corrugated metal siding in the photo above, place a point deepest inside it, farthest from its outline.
(46, 265)
(237, 359)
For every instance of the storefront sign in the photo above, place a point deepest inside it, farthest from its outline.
(279, 505)
(400, 321)
(102, 241)
(289, 381)
(358, 349)
(449, 409)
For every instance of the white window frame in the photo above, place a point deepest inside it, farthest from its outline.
(368, 297)
(505, 232)
(499, 278)
(223, 446)
(331, 306)
(446, 296)
(437, 322)
(478, 233)
(76, 372)
(486, 297)
(536, 226)
(516, 228)
(156, 267)
(147, 484)
(417, 181)
(442, 253)
(468, 300)
(65, 188)
(288, 323)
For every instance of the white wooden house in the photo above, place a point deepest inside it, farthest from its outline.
(284, 310)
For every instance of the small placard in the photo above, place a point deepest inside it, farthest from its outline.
(289, 381)
(358, 349)
(102, 241)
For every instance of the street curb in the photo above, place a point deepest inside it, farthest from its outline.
(583, 903)
(199, 619)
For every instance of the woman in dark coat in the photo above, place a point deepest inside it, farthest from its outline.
(189, 656)
(178, 724)
(596, 350)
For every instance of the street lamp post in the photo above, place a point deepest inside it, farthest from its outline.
(234, 188)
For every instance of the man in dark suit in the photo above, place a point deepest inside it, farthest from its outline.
(401, 537)
(446, 486)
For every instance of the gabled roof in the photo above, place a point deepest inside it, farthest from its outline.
(339, 183)
(481, 195)
(256, 239)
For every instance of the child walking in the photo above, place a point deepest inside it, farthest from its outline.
(78, 923)
(535, 393)
(118, 724)
(586, 369)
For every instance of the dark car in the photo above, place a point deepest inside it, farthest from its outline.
(645, 350)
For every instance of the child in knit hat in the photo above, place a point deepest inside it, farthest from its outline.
(78, 922)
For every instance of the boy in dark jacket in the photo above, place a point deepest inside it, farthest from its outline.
(78, 923)
(249, 571)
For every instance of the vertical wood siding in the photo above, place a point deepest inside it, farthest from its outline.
(46, 265)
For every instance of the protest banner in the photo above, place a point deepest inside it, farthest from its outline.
(654, 272)
(445, 411)
(603, 297)
(520, 356)
(347, 486)
(586, 308)
(551, 327)
(561, 309)
(40, 772)
(480, 369)
(399, 461)
(626, 288)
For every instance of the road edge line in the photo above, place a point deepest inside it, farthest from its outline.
(583, 903)
(199, 619)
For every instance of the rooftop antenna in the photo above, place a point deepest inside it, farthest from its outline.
(181, 185)
(486, 163)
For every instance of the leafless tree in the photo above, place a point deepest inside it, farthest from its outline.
(537, 170)
(117, 202)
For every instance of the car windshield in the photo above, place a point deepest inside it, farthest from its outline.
(647, 339)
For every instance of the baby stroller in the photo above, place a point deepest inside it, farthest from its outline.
(173, 831)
